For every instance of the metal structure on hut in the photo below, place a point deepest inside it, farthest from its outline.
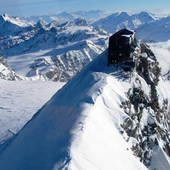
(121, 46)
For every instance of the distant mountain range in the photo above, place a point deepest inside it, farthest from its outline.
(50, 52)
(119, 20)
(58, 50)
(65, 16)
(147, 26)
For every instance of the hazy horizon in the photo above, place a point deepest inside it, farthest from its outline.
(39, 7)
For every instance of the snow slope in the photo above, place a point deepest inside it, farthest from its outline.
(79, 128)
(19, 101)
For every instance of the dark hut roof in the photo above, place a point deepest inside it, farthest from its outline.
(123, 32)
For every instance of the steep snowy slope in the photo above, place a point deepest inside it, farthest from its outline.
(113, 22)
(141, 18)
(101, 119)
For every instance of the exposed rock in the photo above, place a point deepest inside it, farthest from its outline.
(140, 107)
(5, 72)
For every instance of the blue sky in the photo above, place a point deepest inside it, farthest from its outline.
(38, 7)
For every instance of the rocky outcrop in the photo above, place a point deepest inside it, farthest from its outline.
(148, 122)
(5, 72)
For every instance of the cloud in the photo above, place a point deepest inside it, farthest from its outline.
(162, 52)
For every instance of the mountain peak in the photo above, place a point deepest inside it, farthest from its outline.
(143, 16)
(41, 24)
(122, 13)
(6, 17)
(80, 22)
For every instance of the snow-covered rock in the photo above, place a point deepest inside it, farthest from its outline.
(5, 72)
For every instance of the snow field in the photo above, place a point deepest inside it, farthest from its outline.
(19, 101)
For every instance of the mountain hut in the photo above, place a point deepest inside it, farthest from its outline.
(121, 46)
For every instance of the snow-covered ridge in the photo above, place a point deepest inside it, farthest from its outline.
(112, 118)
(14, 20)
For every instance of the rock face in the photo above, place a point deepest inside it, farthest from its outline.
(148, 121)
(5, 72)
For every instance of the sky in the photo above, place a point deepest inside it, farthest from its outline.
(39, 7)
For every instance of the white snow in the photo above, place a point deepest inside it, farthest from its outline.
(160, 160)
(19, 101)
(16, 20)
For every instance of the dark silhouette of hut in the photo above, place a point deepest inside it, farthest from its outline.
(121, 46)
